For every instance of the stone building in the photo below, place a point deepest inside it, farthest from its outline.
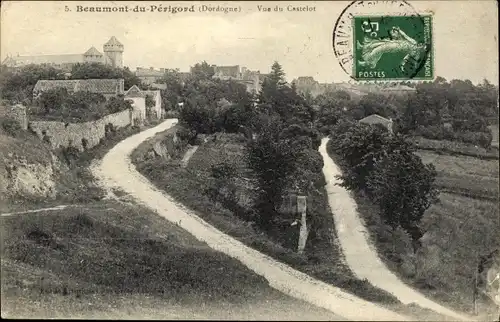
(398, 90)
(150, 75)
(107, 87)
(251, 79)
(375, 119)
(138, 99)
(113, 56)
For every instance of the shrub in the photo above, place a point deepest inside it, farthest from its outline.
(186, 135)
(11, 126)
(117, 104)
(482, 139)
(435, 132)
(70, 154)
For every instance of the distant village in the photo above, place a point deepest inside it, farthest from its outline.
(112, 55)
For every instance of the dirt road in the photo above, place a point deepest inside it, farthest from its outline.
(360, 255)
(116, 170)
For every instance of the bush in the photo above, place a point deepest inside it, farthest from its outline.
(11, 126)
(70, 154)
(436, 132)
(482, 139)
(117, 104)
(186, 135)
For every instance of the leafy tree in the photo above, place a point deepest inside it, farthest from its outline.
(404, 189)
(376, 104)
(222, 188)
(277, 75)
(173, 94)
(272, 85)
(17, 86)
(53, 99)
(197, 118)
(385, 168)
(202, 71)
(84, 105)
(359, 145)
(101, 71)
(117, 104)
(272, 157)
(150, 102)
(10, 126)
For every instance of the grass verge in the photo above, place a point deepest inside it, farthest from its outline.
(110, 258)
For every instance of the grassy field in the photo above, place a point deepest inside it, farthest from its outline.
(117, 260)
(464, 175)
(457, 148)
(458, 229)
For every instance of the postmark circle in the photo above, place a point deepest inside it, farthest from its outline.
(384, 40)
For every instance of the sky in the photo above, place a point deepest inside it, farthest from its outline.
(465, 35)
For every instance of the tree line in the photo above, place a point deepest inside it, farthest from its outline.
(16, 87)
(456, 111)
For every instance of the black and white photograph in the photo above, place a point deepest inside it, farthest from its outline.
(250, 160)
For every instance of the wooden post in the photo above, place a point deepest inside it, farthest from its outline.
(304, 232)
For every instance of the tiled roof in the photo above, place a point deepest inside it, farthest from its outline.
(159, 86)
(49, 59)
(151, 92)
(134, 91)
(113, 42)
(103, 86)
(374, 118)
(92, 52)
(45, 85)
(145, 72)
(400, 88)
(99, 85)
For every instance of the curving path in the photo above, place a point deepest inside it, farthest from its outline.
(116, 170)
(354, 240)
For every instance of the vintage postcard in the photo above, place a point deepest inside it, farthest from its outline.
(250, 160)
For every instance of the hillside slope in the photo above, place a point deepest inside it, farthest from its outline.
(116, 170)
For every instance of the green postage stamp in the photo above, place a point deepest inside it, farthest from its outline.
(392, 47)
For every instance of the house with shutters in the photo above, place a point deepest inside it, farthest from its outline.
(107, 87)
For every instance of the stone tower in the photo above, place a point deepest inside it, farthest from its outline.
(113, 53)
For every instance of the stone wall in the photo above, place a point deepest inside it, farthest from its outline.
(16, 112)
(80, 135)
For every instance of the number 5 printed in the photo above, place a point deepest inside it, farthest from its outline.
(370, 27)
